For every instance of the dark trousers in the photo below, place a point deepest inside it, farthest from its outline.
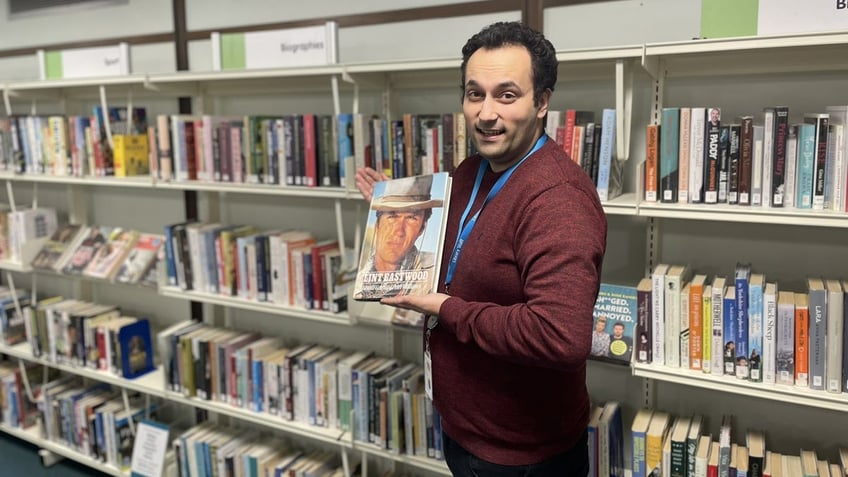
(571, 463)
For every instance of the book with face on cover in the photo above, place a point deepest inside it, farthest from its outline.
(404, 237)
(58, 248)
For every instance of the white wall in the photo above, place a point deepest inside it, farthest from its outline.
(623, 22)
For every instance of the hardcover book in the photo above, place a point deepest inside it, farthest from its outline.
(404, 237)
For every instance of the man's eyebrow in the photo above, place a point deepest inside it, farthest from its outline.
(502, 85)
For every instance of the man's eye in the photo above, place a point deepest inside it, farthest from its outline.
(473, 94)
(509, 96)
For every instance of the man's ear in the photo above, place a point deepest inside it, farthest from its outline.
(544, 102)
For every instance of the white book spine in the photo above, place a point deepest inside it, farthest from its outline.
(769, 334)
(768, 155)
(696, 155)
(834, 337)
(658, 318)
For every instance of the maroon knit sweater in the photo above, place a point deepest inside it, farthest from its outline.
(509, 354)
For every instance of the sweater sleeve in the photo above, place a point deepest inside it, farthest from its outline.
(559, 244)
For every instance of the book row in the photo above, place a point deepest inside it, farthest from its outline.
(296, 150)
(378, 399)
(208, 449)
(591, 144)
(745, 326)
(290, 268)
(72, 146)
(92, 419)
(692, 156)
(79, 333)
(100, 251)
(664, 445)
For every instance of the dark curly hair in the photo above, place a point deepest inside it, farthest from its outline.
(542, 53)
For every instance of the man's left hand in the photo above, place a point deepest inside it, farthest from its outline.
(429, 304)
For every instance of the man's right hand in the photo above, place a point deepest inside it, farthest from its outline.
(366, 177)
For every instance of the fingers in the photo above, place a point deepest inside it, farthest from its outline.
(365, 179)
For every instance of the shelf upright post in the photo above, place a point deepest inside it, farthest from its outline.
(6, 102)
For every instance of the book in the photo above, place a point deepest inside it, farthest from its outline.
(615, 323)
(140, 259)
(415, 209)
(802, 333)
(643, 321)
(785, 335)
(135, 349)
(111, 254)
(817, 313)
(94, 238)
(639, 430)
(835, 335)
(55, 252)
(657, 431)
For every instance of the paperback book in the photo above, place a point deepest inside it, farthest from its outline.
(404, 237)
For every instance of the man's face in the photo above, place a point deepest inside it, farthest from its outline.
(713, 115)
(498, 104)
(395, 234)
(618, 331)
(600, 325)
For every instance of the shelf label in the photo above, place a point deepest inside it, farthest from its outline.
(84, 62)
(732, 18)
(151, 443)
(307, 46)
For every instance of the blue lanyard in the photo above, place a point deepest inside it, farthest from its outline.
(465, 229)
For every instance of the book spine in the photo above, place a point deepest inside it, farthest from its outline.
(742, 281)
(696, 155)
(806, 166)
(755, 331)
(696, 337)
(769, 335)
(779, 167)
(729, 332)
(818, 335)
(746, 151)
(669, 150)
(684, 152)
(605, 157)
(712, 153)
(834, 337)
(651, 162)
(643, 322)
(802, 327)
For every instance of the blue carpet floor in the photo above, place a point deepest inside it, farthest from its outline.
(20, 459)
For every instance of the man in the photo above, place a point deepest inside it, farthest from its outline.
(510, 332)
(600, 338)
(402, 215)
(620, 346)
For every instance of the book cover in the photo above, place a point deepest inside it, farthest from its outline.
(639, 431)
(136, 351)
(140, 259)
(769, 333)
(110, 255)
(57, 248)
(615, 323)
(95, 237)
(404, 237)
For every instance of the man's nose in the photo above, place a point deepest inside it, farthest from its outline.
(488, 109)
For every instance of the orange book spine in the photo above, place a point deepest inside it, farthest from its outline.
(696, 334)
(802, 340)
(652, 143)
